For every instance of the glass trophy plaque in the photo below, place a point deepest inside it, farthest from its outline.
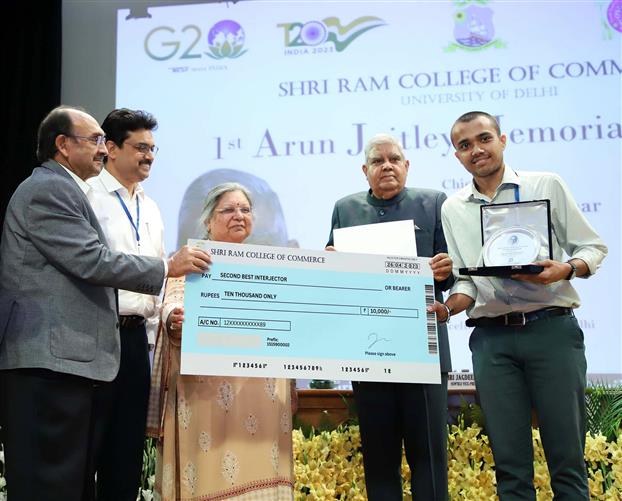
(514, 235)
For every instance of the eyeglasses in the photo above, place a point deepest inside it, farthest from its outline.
(96, 140)
(144, 148)
(230, 211)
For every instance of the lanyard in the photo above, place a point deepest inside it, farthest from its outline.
(129, 216)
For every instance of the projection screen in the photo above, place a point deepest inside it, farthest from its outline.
(281, 96)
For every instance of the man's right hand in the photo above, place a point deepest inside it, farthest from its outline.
(440, 310)
(188, 260)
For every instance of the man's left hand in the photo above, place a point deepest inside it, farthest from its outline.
(441, 265)
(553, 271)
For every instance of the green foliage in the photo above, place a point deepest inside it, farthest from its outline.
(353, 418)
(603, 406)
(470, 413)
(149, 464)
(325, 424)
(321, 384)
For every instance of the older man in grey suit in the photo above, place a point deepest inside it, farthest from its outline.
(59, 339)
(392, 413)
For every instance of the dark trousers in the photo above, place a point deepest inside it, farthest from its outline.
(415, 414)
(52, 428)
(120, 463)
(540, 365)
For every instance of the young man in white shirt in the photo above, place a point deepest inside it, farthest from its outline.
(132, 223)
(527, 346)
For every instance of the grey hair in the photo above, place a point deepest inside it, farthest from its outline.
(379, 139)
(213, 197)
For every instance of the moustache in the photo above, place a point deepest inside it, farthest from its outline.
(145, 162)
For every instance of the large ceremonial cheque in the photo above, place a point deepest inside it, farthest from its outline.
(280, 312)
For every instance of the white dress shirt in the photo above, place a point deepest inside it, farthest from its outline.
(122, 237)
(570, 230)
(84, 186)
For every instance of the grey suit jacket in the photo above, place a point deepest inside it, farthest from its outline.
(424, 206)
(58, 305)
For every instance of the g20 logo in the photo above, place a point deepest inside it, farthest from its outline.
(224, 40)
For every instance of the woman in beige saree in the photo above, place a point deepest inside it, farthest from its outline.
(221, 438)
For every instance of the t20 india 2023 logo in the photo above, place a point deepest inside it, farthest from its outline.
(473, 29)
(327, 35)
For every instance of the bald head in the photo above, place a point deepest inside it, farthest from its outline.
(74, 139)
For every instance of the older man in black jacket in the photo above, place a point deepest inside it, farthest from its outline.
(390, 413)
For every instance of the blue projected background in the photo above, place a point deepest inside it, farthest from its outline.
(282, 95)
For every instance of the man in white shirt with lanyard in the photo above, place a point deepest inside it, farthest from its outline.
(59, 339)
(132, 223)
(527, 346)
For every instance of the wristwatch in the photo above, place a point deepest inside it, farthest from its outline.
(573, 271)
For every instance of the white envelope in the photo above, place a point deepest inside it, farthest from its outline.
(395, 237)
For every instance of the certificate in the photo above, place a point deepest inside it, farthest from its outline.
(393, 237)
(265, 311)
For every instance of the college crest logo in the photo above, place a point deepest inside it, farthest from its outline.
(473, 29)
(328, 34)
